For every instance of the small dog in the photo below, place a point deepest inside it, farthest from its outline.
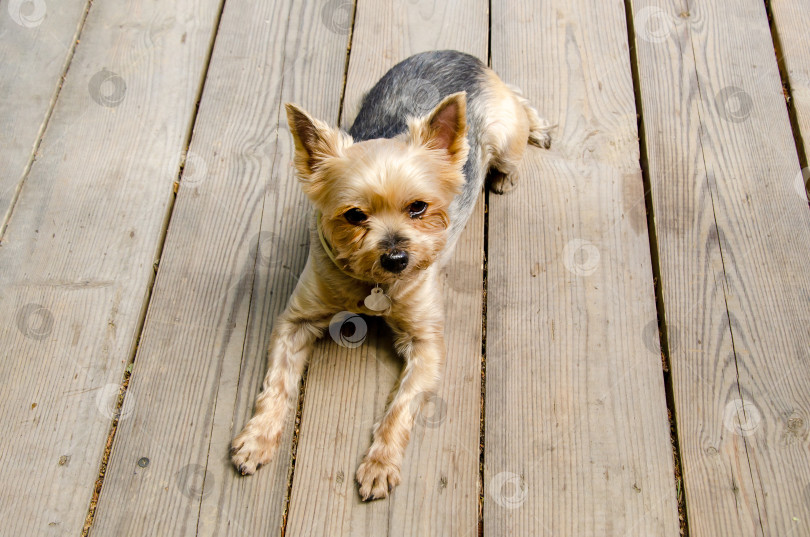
(391, 197)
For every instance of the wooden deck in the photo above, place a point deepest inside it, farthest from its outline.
(628, 332)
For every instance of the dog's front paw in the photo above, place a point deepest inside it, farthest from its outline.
(377, 478)
(251, 449)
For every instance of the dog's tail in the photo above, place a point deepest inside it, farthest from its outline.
(539, 128)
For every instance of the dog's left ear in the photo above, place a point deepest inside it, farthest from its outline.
(314, 140)
(445, 127)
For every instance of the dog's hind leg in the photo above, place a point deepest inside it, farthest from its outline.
(510, 123)
(539, 128)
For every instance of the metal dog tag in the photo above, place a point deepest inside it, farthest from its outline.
(377, 300)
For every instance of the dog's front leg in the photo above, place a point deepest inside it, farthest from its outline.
(423, 351)
(290, 347)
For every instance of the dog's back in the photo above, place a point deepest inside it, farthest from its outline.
(413, 88)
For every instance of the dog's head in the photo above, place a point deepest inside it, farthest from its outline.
(384, 202)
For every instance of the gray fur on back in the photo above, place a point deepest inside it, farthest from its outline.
(412, 88)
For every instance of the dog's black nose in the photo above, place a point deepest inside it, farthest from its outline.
(394, 261)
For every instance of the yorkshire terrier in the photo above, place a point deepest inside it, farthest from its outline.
(391, 197)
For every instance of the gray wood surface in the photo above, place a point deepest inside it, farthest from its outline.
(346, 390)
(36, 43)
(236, 243)
(577, 438)
(791, 19)
(576, 432)
(733, 239)
(76, 262)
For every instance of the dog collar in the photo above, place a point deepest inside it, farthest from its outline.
(376, 300)
(330, 252)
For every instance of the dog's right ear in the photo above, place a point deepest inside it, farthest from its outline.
(444, 128)
(314, 141)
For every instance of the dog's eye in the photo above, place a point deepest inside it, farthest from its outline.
(355, 216)
(417, 209)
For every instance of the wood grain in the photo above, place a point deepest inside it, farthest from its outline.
(791, 18)
(76, 261)
(346, 390)
(236, 243)
(36, 45)
(733, 234)
(577, 439)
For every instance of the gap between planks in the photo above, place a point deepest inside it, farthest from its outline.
(302, 384)
(302, 387)
(99, 484)
(789, 103)
(482, 418)
(46, 120)
(652, 235)
(482, 408)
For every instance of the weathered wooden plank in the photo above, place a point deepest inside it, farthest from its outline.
(36, 44)
(347, 389)
(733, 236)
(76, 262)
(791, 19)
(576, 432)
(236, 243)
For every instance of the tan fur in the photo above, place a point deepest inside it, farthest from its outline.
(510, 121)
(382, 178)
